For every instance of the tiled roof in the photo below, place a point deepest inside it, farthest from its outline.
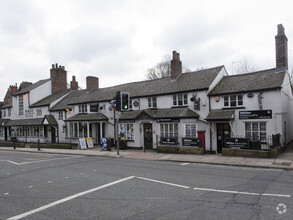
(160, 114)
(25, 122)
(192, 81)
(51, 120)
(31, 87)
(48, 100)
(88, 117)
(256, 81)
(218, 115)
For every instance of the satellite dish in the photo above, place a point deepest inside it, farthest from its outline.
(192, 99)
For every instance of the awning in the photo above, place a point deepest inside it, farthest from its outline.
(220, 115)
(175, 113)
(88, 117)
(47, 120)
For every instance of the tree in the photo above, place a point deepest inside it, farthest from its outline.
(162, 69)
(244, 66)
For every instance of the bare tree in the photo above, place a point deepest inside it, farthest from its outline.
(162, 69)
(244, 66)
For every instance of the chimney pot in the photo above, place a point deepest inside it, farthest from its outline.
(176, 65)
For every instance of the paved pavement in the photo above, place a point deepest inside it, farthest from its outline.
(284, 161)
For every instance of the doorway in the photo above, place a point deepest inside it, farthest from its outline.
(148, 135)
(223, 132)
(53, 134)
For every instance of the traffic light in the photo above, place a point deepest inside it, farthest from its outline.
(118, 101)
(125, 101)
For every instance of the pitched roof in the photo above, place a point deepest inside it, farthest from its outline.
(192, 81)
(256, 81)
(88, 117)
(160, 114)
(31, 87)
(49, 99)
(220, 115)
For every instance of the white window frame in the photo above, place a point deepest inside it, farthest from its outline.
(180, 99)
(190, 130)
(60, 115)
(127, 130)
(39, 112)
(82, 108)
(169, 130)
(256, 131)
(229, 100)
(20, 105)
(152, 102)
(8, 112)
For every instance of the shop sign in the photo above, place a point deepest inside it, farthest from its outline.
(193, 142)
(237, 143)
(258, 114)
(168, 141)
(167, 120)
(29, 113)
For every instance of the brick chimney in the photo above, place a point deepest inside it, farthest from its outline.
(281, 49)
(92, 82)
(74, 83)
(13, 89)
(58, 77)
(176, 65)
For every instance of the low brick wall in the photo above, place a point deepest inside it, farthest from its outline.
(274, 153)
(179, 150)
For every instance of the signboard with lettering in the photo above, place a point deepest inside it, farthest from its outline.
(192, 142)
(168, 120)
(237, 143)
(29, 113)
(82, 143)
(89, 142)
(169, 141)
(258, 114)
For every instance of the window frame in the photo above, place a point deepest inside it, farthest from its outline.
(180, 99)
(233, 101)
(152, 102)
(256, 131)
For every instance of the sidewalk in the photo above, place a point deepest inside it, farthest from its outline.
(284, 161)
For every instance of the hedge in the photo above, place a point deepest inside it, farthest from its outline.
(179, 150)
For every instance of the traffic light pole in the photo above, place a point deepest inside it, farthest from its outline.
(117, 127)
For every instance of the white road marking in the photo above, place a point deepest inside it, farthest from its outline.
(30, 186)
(244, 193)
(38, 161)
(157, 181)
(49, 181)
(5, 194)
(23, 215)
(183, 164)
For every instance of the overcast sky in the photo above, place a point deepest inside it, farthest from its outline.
(118, 40)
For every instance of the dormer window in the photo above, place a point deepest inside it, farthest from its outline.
(180, 99)
(233, 101)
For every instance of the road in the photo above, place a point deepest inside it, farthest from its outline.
(50, 186)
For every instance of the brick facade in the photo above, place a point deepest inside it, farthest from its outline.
(176, 65)
(58, 77)
(92, 82)
(281, 48)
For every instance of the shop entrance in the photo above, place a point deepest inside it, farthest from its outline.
(148, 135)
(223, 132)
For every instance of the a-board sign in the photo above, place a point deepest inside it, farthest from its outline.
(192, 142)
(82, 143)
(89, 142)
(237, 142)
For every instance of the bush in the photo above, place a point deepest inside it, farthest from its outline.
(11, 144)
(52, 146)
(179, 150)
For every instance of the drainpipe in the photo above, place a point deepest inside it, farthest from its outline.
(211, 141)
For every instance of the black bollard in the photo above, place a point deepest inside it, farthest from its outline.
(39, 144)
(14, 145)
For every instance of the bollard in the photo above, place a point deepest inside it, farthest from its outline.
(14, 145)
(39, 144)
